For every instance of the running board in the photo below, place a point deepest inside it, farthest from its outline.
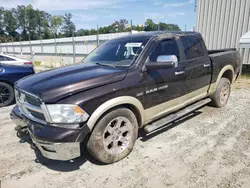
(172, 117)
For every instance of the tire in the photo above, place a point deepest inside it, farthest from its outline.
(114, 136)
(7, 96)
(222, 93)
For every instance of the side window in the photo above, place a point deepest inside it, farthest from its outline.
(192, 47)
(166, 47)
(2, 58)
(8, 59)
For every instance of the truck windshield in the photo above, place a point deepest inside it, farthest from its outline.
(116, 53)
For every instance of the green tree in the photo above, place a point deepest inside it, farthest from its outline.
(55, 24)
(2, 24)
(83, 32)
(139, 27)
(162, 26)
(123, 24)
(22, 21)
(119, 26)
(42, 24)
(173, 27)
(68, 26)
(150, 25)
(31, 19)
(10, 23)
(47, 33)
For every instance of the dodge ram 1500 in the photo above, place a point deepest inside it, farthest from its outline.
(141, 80)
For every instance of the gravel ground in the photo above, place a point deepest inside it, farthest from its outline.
(208, 148)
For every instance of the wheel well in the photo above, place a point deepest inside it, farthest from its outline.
(229, 75)
(135, 111)
(129, 106)
(7, 82)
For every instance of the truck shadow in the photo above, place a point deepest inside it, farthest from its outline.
(62, 166)
(65, 166)
(73, 165)
(143, 136)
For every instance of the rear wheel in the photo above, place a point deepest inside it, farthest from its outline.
(7, 96)
(114, 136)
(222, 93)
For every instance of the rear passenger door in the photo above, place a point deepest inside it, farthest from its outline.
(197, 65)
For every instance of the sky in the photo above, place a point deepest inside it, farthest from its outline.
(88, 14)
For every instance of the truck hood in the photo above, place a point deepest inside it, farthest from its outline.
(56, 84)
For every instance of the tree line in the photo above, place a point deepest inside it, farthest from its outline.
(26, 23)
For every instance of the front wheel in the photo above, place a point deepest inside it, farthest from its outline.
(222, 93)
(7, 96)
(114, 136)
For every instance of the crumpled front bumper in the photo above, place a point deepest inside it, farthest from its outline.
(54, 142)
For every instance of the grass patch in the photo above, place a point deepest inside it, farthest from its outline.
(37, 63)
(245, 75)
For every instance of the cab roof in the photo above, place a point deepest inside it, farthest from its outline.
(147, 35)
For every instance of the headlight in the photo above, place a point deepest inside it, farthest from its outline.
(66, 113)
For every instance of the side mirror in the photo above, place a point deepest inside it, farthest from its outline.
(163, 61)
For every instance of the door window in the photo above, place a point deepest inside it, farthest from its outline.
(3, 58)
(192, 47)
(166, 47)
(8, 59)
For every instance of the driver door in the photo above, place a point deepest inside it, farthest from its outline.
(164, 86)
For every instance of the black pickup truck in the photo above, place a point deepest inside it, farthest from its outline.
(140, 80)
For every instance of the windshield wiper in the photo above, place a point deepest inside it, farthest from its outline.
(103, 64)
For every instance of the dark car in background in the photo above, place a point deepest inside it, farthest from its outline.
(9, 74)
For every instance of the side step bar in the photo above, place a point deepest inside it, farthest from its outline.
(172, 117)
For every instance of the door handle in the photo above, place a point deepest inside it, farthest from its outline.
(179, 73)
(206, 65)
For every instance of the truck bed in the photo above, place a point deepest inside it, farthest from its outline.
(221, 50)
(221, 58)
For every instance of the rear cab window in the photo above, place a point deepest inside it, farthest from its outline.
(192, 47)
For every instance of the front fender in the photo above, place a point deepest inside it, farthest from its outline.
(113, 103)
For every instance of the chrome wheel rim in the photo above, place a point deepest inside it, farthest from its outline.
(4, 95)
(117, 135)
(224, 93)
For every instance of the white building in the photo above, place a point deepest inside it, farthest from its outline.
(223, 22)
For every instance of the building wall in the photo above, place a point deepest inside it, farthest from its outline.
(223, 22)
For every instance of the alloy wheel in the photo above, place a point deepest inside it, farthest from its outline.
(117, 135)
(4, 95)
(224, 93)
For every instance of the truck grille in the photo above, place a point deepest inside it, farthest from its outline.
(32, 100)
(37, 115)
(30, 105)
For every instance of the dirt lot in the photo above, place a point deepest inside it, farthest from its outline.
(209, 148)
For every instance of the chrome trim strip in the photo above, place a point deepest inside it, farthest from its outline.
(17, 88)
(31, 117)
(46, 113)
(57, 151)
(32, 107)
(28, 106)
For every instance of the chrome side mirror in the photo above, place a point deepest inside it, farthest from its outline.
(172, 59)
